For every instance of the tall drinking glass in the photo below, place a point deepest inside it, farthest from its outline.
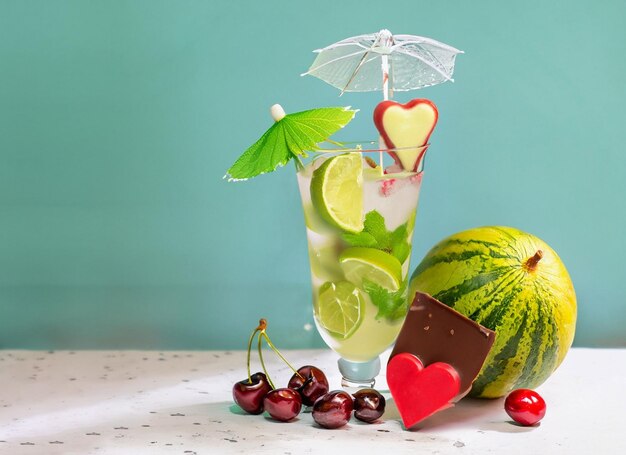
(359, 277)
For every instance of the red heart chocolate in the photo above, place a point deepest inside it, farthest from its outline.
(420, 392)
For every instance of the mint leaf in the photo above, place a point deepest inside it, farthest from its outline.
(374, 224)
(401, 251)
(376, 235)
(391, 305)
(290, 137)
(400, 247)
(373, 235)
(399, 234)
(364, 239)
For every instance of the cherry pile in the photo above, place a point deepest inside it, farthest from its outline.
(309, 387)
(334, 409)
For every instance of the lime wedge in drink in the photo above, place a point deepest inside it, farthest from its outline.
(337, 191)
(324, 260)
(340, 308)
(374, 265)
(315, 222)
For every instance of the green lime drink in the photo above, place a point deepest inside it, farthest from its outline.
(359, 225)
(359, 217)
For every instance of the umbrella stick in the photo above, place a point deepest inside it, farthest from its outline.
(385, 68)
(380, 155)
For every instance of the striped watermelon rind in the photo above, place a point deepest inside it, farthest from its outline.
(483, 273)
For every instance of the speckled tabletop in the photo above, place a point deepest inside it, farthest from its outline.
(136, 402)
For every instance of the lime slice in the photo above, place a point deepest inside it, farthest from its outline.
(315, 222)
(337, 191)
(324, 262)
(340, 308)
(374, 265)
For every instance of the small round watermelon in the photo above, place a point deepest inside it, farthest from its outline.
(510, 282)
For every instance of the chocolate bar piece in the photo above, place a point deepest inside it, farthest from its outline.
(434, 332)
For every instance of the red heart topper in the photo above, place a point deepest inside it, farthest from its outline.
(407, 127)
(420, 392)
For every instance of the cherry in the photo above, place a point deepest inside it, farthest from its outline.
(369, 405)
(333, 410)
(283, 404)
(249, 393)
(525, 406)
(310, 382)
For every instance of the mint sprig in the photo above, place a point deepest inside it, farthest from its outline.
(391, 305)
(290, 137)
(376, 235)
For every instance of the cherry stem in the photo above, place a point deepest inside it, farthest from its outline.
(261, 330)
(271, 345)
(531, 263)
(249, 348)
(262, 325)
(260, 348)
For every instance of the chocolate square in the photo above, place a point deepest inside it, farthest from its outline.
(434, 332)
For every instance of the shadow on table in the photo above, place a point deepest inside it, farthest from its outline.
(484, 415)
(214, 409)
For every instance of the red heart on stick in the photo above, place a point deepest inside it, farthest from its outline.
(406, 127)
(420, 392)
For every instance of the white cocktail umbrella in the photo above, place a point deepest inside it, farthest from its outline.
(382, 61)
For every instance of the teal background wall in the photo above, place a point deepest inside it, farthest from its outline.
(119, 119)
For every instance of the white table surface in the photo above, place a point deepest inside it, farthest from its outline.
(135, 402)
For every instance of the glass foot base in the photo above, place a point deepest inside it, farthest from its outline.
(359, 375)
(355, 385)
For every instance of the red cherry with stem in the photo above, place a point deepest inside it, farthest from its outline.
(333, 410)
(283, 404)
(310, 382)
(262, 329)
(369, 405)
(525, 406)
(249, 393)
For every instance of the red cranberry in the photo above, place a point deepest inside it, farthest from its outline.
(525, 406)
